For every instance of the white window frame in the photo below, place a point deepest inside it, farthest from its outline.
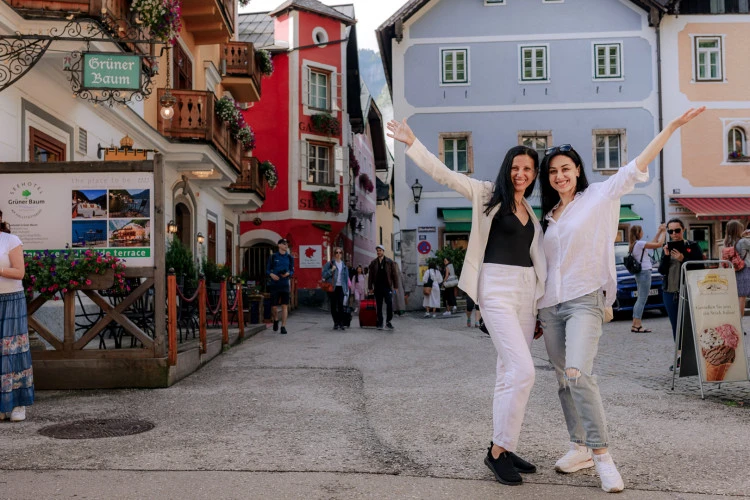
(467, 75)
(546, 77)
(337, 159)
(456, 136)
(695, 39)
(621, 132)
(744, 125)
(315, 97)
(319, 31)
(331, 163)
(536, 134)
(334, 90)
(595, 61)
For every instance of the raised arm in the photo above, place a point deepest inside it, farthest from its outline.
(432, 166)
(658, 240)
(658, 142)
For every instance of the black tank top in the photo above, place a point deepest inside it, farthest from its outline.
(509, 241)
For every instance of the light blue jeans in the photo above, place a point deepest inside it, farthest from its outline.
(643, 282)
(571, 334)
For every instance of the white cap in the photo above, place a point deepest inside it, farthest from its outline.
(380, 247)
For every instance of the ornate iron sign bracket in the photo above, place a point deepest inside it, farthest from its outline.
(19, 53)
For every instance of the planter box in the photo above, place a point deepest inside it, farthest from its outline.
(100, 281)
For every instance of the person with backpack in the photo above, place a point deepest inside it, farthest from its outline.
(737, 250)
(280, 269)
(638, 247)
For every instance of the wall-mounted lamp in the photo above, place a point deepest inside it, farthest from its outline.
(172, 227)
(167, 100)
(416, 191)
(200, 238)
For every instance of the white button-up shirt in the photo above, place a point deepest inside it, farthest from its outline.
(579, 246)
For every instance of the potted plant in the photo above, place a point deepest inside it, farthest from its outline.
(325, 199)
(180, 258)
(268, 170)
(230, 113)
(266, 62)
(161, 17)
(325, 123)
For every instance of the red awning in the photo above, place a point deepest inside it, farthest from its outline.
(721, 208)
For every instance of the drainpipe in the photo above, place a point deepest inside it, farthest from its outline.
(661, 120)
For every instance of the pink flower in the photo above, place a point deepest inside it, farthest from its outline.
(88, 282)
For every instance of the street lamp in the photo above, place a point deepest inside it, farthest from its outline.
(200, 238)
(416, 191)
(167, 100)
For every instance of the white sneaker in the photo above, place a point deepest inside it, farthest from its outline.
(454, 310)
(577, 458)
(18, 414)
(426, 315)
(611, 479)
(447, 313)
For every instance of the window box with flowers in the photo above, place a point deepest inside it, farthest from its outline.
(366, 183)
(325, 123)
(161, 17)
(325, 199)
(50, 272)
(738, 157)
(268, 170)
(266, 62)
(229, 112)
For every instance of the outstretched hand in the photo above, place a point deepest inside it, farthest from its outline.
(687, 116)
(401, 132)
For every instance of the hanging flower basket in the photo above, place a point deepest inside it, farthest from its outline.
(266, 62)
(161, 17)
(353, 163)
(325, 123)
(230, 113)
(366, 183)
(268, 170)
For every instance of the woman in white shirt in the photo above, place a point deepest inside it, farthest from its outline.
(433, 278)
(16, 373)
(504, 270)
(637, 249)
(581, 225)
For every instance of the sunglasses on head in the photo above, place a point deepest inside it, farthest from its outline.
(672, 231)
(562, 148)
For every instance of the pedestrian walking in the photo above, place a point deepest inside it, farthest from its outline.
(280, 269)
(504, 270)
(637, 248)
(336, 273)
(383, 282)
(359, 284)
(16, 372)
(737, 250)
(581, 226)
(450, 281)
(431, 281)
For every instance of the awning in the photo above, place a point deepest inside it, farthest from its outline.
(455, 214)
(627, 214)
(457, 227)
(717, 208)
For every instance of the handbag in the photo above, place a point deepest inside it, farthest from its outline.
(730, 254)
(427, 287)
(326, 286)
(631, 264)
(451, 282)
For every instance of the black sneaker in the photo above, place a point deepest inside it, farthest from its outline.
(503, 469)
(522, 465)
(335, 327)
(389, 325)
(283, 330)
(276, 326)
(379, 327)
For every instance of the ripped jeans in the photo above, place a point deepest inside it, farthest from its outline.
(571, 334)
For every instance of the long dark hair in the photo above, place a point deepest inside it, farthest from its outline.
(504, 193)
(550, 197)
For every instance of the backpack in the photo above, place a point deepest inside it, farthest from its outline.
(730, 254)
(632, 264)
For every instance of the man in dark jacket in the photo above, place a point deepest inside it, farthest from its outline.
(280, 268)
(383, 279)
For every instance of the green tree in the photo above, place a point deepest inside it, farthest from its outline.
(455, 255)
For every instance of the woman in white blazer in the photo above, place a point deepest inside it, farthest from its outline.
(504, 270)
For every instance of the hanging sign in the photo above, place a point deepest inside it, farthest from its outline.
(111, 71)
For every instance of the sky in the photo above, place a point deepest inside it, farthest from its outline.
(370, 14)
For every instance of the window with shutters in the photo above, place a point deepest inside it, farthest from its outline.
(44, 148)
(320, 165)
(607, 61)
(454, 66)
(609, 149)
(182, 69)
(538, 140)
(456, 152)
(321, 88)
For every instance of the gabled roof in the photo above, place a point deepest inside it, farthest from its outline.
(256, 28)
(311, 6)
(393, 28)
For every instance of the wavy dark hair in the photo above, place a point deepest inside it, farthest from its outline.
(504, 193)
(550, 197)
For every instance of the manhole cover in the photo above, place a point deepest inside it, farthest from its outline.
(97, 428)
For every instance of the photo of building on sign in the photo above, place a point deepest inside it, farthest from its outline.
(89, 204)
(129, 203)
(130, 233)
(89, 234)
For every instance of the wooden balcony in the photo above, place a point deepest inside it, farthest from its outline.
(241, 71)
(195, 121)
(250, 179)
(210, 21)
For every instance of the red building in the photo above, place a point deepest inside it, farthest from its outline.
(304, 125)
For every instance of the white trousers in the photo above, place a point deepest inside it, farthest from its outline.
(506, 300)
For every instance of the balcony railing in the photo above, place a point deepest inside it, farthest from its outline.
(241, 71)
(195, 120)
(250, 178)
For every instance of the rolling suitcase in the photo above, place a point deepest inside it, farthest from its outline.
(367, 313)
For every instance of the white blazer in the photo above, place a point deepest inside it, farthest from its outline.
(479, 193)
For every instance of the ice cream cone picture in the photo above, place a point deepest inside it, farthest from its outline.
(718, 349)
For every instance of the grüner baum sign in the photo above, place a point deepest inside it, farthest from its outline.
(111, 71)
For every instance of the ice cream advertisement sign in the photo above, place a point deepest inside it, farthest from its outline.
(714, 307)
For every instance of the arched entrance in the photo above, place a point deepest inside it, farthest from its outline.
(183, 218)
(254, 260)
